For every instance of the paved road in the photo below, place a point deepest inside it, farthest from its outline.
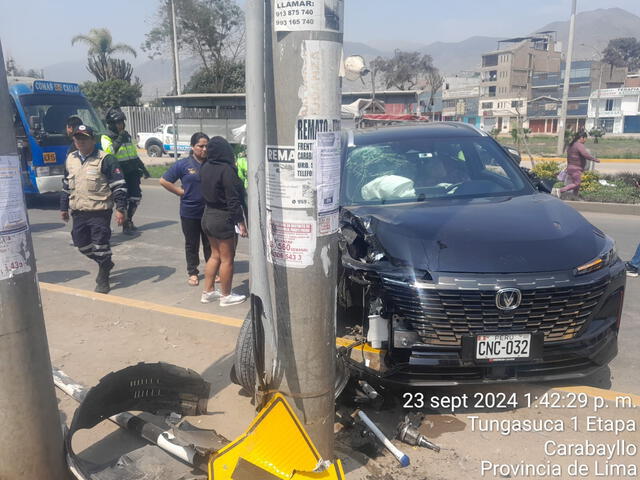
(150, 266)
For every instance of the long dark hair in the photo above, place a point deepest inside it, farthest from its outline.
(577, 137)
(196, 137)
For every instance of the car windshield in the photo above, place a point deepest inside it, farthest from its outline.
(423, 169)
(50, 112)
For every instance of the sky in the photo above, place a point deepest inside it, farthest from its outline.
(37, 33)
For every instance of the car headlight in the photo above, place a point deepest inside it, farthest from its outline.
(607, 257)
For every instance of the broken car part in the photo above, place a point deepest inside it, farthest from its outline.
(153, 388)
(395, 451)
(409, 434)
(274, 446)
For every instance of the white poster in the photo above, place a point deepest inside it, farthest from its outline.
(292, 238)
(14, 254)
(13, 213)
(297, 15)
(307, 130)
(327, 161)
(328, 223)
(283, 189)
(320, 94)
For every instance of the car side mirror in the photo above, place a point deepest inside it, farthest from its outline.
(542, 185)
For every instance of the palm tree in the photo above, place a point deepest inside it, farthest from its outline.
(101, 47)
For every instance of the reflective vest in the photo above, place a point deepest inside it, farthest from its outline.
(243, 168)
(88, 187)
(126, 152)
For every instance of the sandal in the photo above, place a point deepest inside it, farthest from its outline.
(193, 281)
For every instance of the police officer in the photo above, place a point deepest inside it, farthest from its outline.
(92, 184)
(119, 143)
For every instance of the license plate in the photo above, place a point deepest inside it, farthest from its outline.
(49, 157)
(503, 347)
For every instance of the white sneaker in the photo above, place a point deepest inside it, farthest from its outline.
(555, 192)
(232, 299)
(208, 297)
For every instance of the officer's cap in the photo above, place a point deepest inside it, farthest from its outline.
(83, 130)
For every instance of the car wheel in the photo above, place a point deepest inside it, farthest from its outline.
(154, 150)
(243, 372)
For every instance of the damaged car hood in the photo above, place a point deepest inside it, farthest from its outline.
(528, 233)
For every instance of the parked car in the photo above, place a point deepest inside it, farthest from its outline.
(456, 269)
(161, 141)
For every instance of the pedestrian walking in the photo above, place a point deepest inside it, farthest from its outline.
(223, 216)
(92, 184)
(187, 170)
(633, 266)
(118, 142)
(577, 156)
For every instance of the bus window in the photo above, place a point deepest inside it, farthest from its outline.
(50, 113)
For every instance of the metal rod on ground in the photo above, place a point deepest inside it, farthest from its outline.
(303, 123)
(567, 78)
(258, 273)
(146, 430)
(31, 434)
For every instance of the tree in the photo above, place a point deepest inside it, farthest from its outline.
(433, 83)
(112, 93)
(404, 70)
(623, 52)
(228, 79)
(210, 30)
(100, 61)
(14, 70)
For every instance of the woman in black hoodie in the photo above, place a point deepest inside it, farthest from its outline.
(223, 192)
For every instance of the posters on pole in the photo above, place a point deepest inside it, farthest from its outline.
(14, 255)
(320, 94)
(328, 223)
(14, 251)
(283, 189)
(301, 15)
(327, 161)
(13, 213)
(292, 238)
(307, 130)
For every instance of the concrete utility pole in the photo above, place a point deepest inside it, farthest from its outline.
(31, 434)
(176, 55)
(303, 54)
(567, 78)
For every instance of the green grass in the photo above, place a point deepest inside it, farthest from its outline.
(611, 147)
(157, 171)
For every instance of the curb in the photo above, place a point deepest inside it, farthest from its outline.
(612, 208)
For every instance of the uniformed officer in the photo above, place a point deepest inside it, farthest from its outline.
(119, 143)
(92, 184)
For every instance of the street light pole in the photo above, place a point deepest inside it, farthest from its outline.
(567, 75)
(31, 434)
(176, 58)
(302, 68)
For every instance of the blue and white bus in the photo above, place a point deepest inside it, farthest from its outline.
(40, 112)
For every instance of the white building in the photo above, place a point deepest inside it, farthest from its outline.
(502, 113)
(619, 110)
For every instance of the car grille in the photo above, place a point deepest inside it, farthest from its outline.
(442, 317)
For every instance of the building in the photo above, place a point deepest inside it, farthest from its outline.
(460, 98)
(506, 78)
(546, 94)
(618, 112)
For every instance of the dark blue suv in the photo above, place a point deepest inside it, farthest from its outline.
(457, 268)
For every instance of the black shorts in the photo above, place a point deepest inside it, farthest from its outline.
(218, 224)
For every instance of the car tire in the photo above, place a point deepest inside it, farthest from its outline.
(154, 150)
(243, 371)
